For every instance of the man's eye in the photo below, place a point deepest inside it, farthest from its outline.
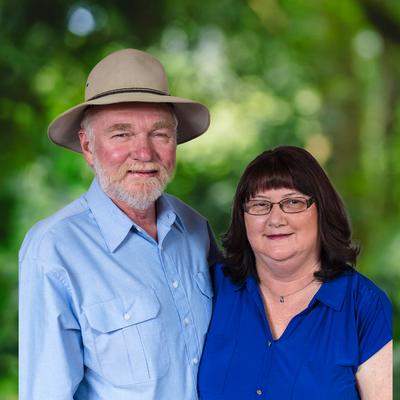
(162, 134)
(120, 135)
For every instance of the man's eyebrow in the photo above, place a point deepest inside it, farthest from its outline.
(119, 127)
(163, 124)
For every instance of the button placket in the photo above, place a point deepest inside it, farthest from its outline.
(175, 284)
(189, 333)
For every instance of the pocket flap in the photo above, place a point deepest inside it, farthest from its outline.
(119, 313)
(204, 284)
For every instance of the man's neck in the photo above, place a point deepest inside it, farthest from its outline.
(146, 219)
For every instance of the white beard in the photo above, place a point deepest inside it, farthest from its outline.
(138, 193)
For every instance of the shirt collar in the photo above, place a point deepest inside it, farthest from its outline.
(167, 214)
(114, 224)
(330, 293)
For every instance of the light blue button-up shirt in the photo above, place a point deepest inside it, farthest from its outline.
(106, 312)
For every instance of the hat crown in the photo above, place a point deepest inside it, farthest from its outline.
(126, 70)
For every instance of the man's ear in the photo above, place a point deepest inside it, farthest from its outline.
(85, 146)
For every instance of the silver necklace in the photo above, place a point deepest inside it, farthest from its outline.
(282, 298)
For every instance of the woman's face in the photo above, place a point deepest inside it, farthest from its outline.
(280, 241)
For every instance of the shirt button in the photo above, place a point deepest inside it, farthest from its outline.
(175, 284)
(186, 321)
(259, 392)
(269, 343)
(195, 360)
(127, 317)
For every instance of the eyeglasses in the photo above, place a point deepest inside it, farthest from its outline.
(291, 205)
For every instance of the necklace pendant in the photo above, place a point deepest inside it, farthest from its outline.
(282, 300)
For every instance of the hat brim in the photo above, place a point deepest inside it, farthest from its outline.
(193, 118)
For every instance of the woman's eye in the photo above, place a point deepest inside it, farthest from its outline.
(260, 204)
(295, 203)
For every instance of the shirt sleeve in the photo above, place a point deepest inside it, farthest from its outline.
(214, 253)
(50, 348)
(374, 321)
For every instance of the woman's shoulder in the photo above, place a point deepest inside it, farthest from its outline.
(373, 313)
(367, 295)
(217, 273)
(221, 280)
(363, 286)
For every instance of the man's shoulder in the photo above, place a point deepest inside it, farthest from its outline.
(54, 225)
(183, 210)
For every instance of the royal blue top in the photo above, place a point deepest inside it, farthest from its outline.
(348, 320)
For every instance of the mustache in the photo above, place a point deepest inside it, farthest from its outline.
(140, 166)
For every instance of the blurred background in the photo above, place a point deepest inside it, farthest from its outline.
(318, 73)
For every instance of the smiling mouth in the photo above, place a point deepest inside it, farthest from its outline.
(143, 173)
(280, 236)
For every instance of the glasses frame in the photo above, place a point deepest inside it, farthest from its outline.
(309, 203)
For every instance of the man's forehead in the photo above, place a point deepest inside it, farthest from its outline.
(157, 124)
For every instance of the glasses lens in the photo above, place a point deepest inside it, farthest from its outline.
(294, 204)
(258, 207)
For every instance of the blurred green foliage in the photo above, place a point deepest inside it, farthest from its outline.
(320, 74)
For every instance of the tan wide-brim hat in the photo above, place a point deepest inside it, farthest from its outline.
(129, 75)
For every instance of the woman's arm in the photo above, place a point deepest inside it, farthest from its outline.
(375, 376)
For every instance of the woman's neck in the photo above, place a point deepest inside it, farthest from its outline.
(284, 280)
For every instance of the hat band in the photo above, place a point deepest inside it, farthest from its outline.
(127, 90)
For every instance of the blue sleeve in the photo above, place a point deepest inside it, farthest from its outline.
(50, 349)
(374, 321)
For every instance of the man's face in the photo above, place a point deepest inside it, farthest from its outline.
(132, 148)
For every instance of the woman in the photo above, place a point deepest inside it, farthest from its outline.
(292, 318)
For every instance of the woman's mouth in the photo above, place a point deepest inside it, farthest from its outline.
(279, 236)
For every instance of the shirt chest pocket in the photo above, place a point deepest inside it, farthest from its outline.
(205, 296)
(129, 339)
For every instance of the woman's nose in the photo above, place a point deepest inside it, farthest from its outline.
(276, 216)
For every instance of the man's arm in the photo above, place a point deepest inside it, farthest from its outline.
(50, 345)
(214, 253)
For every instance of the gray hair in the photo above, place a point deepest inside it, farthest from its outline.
(86, 125)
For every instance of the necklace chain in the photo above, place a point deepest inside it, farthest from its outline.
(283, 297)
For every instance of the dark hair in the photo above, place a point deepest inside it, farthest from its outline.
(294, 168)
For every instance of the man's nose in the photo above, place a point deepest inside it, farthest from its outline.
(142, 148)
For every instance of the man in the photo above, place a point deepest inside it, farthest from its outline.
(115, 296)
